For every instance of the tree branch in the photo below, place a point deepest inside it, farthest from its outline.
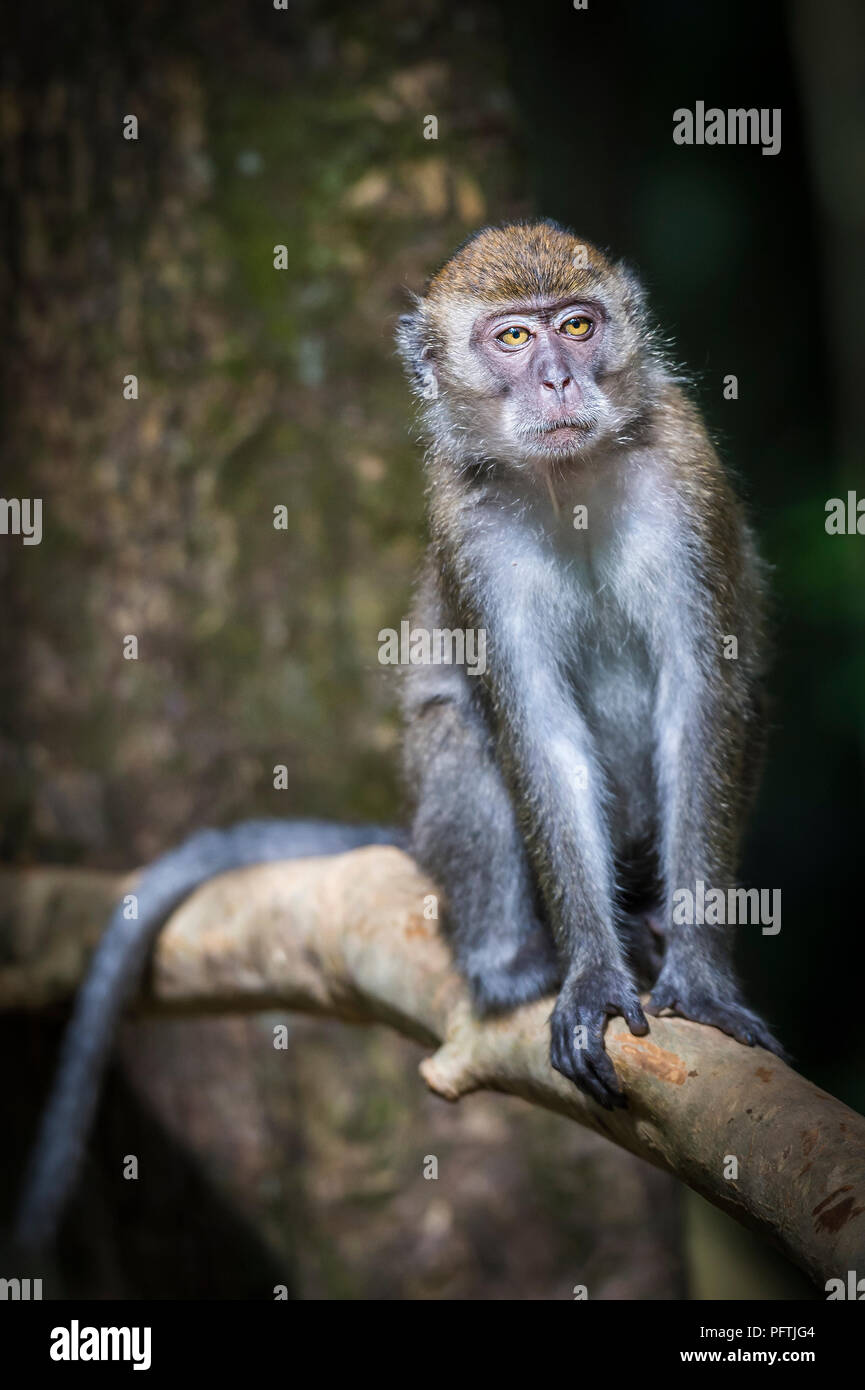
(346, 937)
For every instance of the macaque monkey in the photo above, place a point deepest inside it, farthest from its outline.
(608, 754)
(580, 516)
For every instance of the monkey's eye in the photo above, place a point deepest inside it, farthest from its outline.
(515, 336)
(578, 327)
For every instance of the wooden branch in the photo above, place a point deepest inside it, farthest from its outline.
(346, 936)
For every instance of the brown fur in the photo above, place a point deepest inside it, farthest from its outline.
(517, 261)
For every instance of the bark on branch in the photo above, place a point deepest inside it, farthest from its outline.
(346, 937)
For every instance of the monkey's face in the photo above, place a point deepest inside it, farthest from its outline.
(536, 381)
(530, 348)
(535, 369)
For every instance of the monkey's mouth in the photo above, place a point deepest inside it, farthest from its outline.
(583, 423)
(558, 432)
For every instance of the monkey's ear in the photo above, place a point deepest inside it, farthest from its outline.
(415, 349)
(632, 290)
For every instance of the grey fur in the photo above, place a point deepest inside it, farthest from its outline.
(609, 754)
(115, 973)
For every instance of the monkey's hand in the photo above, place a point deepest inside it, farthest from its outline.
(718, 1004)
(577, 1031)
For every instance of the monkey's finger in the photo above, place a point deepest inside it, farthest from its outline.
(753, 1029)
(658, 1002)
(578, 1063)
(747, 1028)
(584, 1077)
(610, 1097)
(735, 1020)
(771, 1044)
(597, 1062)
(632, 1012)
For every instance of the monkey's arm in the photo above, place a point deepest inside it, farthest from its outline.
(559, 789)
(706, 737)
(546, 749)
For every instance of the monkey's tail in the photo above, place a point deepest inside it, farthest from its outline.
(115, 972)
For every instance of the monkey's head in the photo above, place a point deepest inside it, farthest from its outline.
(529, 347)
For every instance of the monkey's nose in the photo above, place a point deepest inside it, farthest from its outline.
(557, 384)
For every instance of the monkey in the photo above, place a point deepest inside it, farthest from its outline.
(610, 754)
(607, 754)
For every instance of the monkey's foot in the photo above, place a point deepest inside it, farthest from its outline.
(701, 1006)
(577, 1031)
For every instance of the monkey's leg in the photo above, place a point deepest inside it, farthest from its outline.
(464, 833)
(702, 806)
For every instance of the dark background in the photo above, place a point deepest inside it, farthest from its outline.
(258, 647)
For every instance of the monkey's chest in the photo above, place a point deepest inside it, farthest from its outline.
(612, 683)
(610, 676)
